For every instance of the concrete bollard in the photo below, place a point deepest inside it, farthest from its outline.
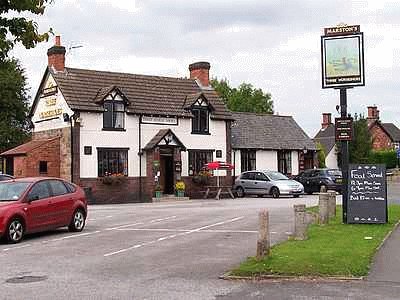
(323, 208)
(300, 222)
(263, 243)
(332, 204)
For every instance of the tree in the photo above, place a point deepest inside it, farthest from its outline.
(245, 98)
(321, 155)
(20, 29)
(361, 146)
(14, 126)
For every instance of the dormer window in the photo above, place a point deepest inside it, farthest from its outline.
(114, 112)
(200, 121)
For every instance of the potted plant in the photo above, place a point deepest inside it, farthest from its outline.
(180, 188)
(158, 190)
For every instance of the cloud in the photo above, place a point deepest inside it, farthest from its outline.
(274, 44)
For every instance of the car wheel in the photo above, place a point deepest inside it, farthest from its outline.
(260, 196)
(15, 231)
(78, 221)
(275, 192)
(240, 192)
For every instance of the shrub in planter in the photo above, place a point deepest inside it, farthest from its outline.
(158, 190)
(180, 188)
(114, 179)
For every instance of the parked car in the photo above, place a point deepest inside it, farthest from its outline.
(314, 180)
(266, 183)
(30, 205)
(5, 177)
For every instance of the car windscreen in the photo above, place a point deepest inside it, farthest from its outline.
(276, 176)
(12, 191)
(334, 173)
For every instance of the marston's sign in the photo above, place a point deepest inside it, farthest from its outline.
(344, 129)
(342, 30)
(342, 50)
(159, 120)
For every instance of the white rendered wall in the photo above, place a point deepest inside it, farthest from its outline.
(295, 162)
(42, 106)
(236, 161)
(331, 159)
(267, 160)
(93, 135)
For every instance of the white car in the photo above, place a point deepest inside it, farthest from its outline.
(266, 183)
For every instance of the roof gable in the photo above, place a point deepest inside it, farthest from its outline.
(164, 137)
(326, 137)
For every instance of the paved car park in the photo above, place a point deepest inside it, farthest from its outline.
(155, 250)
(163, 251)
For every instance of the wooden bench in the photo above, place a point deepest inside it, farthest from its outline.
(219, 190)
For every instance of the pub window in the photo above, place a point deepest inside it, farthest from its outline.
(198, 159)
(200, 120)
(114, 115)
(285, 162)
(112, 162)
(248, 160)
(43, 167)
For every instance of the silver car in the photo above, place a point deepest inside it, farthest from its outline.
(266, 183)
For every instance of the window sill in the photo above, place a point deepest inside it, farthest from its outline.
(113, 129)
(200, 133)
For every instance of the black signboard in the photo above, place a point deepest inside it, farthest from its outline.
(344, 129)
(367, 202)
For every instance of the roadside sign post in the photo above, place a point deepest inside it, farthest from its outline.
(342, 57)
(398, 157)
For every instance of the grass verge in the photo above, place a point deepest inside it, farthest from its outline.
(330, 250)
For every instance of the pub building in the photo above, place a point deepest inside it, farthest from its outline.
(121, 136)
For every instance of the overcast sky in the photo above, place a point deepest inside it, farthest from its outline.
(275, 45)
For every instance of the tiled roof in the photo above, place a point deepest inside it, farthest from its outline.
(326, 137)
(27, 147)
(146, 94)
(393, 131)
(265, 131)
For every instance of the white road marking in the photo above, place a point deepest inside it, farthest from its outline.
(141, 223)
(17, 247)
(124, 226)
(172, 236)
(73, 236)
(109, 217)
(186, 230)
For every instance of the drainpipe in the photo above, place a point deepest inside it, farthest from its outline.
(72, 146)
(140, 153)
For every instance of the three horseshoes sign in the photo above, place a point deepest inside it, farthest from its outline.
(367, 194)
(342, 49)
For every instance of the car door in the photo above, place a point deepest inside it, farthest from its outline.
(38, 215)
(61, 202)
(261, 183)
(246, 180)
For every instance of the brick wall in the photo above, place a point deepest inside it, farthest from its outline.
(380, 140)
(125, 192)
(50, 153)
(65, 148)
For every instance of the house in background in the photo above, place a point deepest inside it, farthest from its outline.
(385, 136)
(326, 137)
(270, 142)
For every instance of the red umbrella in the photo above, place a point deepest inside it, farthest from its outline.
(218, 165)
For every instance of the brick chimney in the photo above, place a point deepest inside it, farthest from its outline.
(200, 71)
(56, 56)
(326, 120)
(373, 113)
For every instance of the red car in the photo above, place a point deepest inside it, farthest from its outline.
(30, 205)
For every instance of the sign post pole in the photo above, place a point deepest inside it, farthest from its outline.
(344, 155)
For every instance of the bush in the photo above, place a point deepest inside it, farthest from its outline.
(386, 157)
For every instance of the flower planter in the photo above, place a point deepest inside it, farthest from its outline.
(158, 194)
(180, 193)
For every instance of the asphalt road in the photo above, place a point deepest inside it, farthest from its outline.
(164, 251)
